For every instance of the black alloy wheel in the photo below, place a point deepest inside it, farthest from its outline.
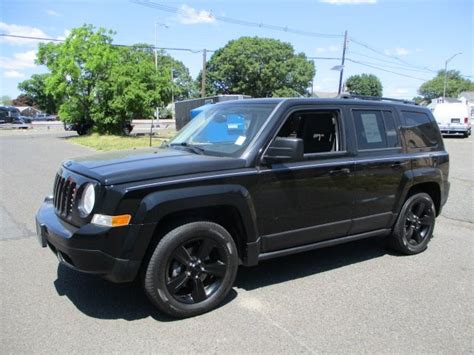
(196, 270)
(192, 269)
(419, 221)
(414, 227)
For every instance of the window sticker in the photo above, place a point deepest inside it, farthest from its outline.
(240, 140)
(371, 128)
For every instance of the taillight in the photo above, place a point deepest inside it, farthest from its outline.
(466, 120)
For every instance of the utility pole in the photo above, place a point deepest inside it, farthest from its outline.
(203, 75)
(172, 84)
(446, 73)
(157, 110)
(341, 73)
(156, 69)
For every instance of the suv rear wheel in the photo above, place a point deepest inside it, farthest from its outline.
(415, 224)
(192, 269)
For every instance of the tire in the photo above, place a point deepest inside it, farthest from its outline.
(415, 224)
(82, 132)
(192, 269)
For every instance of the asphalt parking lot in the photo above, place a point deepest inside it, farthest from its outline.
(352, 298)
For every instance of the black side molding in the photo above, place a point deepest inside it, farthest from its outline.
(323, 244)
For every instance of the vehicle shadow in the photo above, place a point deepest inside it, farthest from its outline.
(101, 299)
(313, 262)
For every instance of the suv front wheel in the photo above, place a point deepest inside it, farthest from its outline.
(192, 269)
(415, 224)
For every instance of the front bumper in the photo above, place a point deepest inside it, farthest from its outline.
(113, 253)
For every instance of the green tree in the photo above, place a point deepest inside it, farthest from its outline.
(183, 85)
(103, 84)
(35, 89)
(77, 66)
(133, 90)
(417, 99)
(455, 85)
(364, 84)
(6, 100)
(259, 67)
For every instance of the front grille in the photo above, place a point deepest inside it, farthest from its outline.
(64, 194)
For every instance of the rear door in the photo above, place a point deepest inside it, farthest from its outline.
(380, 168)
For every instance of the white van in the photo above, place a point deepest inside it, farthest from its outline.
(453, 118)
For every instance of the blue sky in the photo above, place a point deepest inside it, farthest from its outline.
(408, 35)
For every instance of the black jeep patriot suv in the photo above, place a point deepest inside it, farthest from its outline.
(246, 181)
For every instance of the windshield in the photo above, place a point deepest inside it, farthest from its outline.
(224, 130)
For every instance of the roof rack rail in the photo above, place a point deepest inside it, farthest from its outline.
(374, 98)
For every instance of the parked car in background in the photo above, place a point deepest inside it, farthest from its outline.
(26, 119)
(44, 117)
(453, 118)
(10, 118)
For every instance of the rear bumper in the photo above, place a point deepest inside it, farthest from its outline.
(112, 253)
(454, 130)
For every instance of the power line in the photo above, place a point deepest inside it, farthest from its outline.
(397, 65)
(112, 44)
(234, 21)
(379, 52)
(394, 67)
(324, 58)
(386, 70)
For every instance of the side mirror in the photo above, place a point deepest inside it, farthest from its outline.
(284, 149)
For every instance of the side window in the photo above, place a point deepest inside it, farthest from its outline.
(370, 129)
(319, 130)
(420, 131)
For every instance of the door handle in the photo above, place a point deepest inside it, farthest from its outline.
(396, 165)
(342, 171)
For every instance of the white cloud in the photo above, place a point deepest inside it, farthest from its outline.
(348, 2)
(190, 16)
(330, 49)
(18, 30)
(52, 13)
(399, 51)
(13, 74)
(64, 35)
(19, 60)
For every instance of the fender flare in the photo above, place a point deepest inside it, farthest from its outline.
(157, 205)
(416, 177)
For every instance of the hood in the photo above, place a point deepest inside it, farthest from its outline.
(144, 164)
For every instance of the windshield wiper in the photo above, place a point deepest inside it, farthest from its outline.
(191, 147)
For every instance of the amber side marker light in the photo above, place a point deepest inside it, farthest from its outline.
(111, 221)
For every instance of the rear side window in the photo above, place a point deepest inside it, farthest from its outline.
(375, 129)
(420, 131)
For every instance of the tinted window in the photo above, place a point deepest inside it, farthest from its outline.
(420, 131)
(370, 129)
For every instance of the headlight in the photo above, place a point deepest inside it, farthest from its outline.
(86, 204)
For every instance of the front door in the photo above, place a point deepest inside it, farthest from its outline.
(310, 200)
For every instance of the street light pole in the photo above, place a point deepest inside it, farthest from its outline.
(446, 73)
